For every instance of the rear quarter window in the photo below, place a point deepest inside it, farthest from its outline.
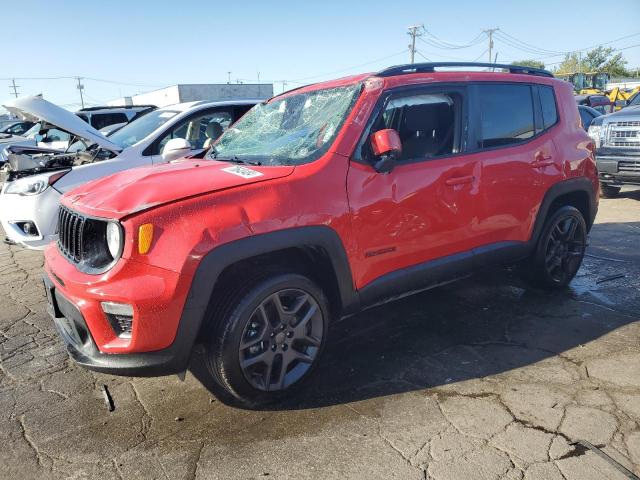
(506, 114)
(548, 104)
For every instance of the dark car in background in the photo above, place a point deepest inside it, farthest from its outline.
(16, 128)
(587, 114)
(601, 103)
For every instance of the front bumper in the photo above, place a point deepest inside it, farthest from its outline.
(618, 166)
(161, 340)
(41, 210)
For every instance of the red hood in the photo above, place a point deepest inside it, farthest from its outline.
(132, 191)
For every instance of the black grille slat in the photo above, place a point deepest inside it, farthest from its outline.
(70, 234)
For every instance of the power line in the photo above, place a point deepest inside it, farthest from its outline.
(444, 44)
(420, 53)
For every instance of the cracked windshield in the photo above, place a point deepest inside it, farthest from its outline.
(294, 130)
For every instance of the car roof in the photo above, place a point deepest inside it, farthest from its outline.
(456, 71)
(183, 107)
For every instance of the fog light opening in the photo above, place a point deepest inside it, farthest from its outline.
(120, 316)
(28, 228)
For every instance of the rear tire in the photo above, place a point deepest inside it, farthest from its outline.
(607, 191)
(267, 340)
(559, 251)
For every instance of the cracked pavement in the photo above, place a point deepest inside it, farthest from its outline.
(483, 379)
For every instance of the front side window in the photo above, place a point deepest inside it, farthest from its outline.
(201, 131)
(425, 122)
(55, 135)
(292, 130)
(506, 114)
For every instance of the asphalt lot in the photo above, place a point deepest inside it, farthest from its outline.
(484, 379)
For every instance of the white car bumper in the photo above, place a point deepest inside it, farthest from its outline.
(41, 210)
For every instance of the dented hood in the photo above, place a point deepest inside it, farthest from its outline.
(37, 108)
(139, 189)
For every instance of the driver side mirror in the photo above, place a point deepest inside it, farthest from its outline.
(175, 148)
(387, 147)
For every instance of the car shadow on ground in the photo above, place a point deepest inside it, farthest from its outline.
(485, 325)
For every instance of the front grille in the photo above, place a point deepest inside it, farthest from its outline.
(629, 166)
(71, 234)
(623, 134)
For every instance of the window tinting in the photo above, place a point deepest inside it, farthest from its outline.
(425, 122)
(548, 102)
(506, 113)
(101, 120)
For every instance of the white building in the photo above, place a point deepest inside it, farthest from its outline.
(196, 92)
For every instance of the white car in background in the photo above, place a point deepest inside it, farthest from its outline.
(31, 193)
(46, 136)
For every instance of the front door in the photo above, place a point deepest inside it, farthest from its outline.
(424, 209)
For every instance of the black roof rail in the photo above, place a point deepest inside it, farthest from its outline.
(430, 67)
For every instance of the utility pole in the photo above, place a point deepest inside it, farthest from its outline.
(228, 77)
(414, 31)
(489, 33)
(80, 87)
(14, 87)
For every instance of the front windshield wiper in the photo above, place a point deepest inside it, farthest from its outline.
(233, 159)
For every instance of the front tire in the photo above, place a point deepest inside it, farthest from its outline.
(559, 251)
(267, 340)
(607, 191)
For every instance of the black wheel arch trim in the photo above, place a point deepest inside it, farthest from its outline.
(572, 185)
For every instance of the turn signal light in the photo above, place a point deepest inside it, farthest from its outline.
(145, 237)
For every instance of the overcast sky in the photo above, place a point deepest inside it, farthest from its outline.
(141, 45)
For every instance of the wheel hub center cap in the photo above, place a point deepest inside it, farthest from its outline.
(280, 338)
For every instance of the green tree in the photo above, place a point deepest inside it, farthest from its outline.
(600, 59)
(570, 64)
(529, 63)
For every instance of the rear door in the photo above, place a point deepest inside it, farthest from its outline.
(512, 139)
(424, 208)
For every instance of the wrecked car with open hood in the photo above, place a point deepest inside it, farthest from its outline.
(36, 180)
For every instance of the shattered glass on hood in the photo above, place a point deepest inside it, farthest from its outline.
(293, 130)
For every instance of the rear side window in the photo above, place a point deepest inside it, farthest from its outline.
(506, 113)
(548, 104)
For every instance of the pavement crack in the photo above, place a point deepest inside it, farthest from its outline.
(30, 442)
(144, 426)
(194, 472)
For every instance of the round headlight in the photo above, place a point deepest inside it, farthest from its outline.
(114, 239)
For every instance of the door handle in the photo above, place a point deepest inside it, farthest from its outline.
(452, 182)
(542, 160)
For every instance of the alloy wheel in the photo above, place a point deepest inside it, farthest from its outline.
(565, 248)
(281, 340)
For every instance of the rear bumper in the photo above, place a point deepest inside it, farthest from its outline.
(617, 166)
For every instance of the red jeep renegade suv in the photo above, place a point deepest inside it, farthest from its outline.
(316, 204)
